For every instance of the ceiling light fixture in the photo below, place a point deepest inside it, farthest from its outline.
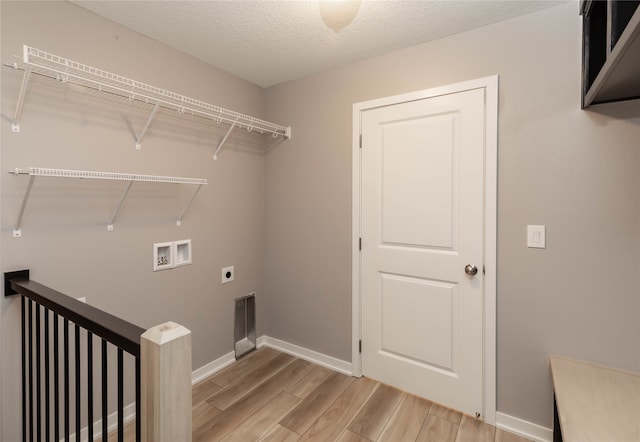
(337, 14)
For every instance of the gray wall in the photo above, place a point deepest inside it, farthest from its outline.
(575, 171)
(65, 242)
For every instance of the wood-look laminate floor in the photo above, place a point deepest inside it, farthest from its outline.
(272, 396)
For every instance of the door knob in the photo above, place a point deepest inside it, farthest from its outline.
(470, 270)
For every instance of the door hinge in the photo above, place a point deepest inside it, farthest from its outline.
(360, 141)
(483, 270)
(360, 346)
(359, 243)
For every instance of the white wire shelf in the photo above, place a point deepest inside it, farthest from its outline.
(86, 174)
(34, 172)
(69, 71)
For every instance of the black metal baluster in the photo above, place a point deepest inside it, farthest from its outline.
(39, 374)
(30, 370)
(24, 370)
(105, 434)
(47, 384)
(66, 379)
(38, 380)
(56, 379)
(90, 385)
(78, 387)
(120, 397)
(138, 403)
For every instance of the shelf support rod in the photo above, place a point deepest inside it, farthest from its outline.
(15, 124)
(146, 126)
(17, 231)
(115, 212)
(179, 221)
(224, 139)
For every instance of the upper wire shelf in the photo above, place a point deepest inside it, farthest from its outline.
(69, 71)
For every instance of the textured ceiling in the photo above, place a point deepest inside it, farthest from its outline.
(272, 41)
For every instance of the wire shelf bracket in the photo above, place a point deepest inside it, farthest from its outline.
(115, 212)
(223, 140)
(68, 71)
(146, 126)
(34, 172)
(15, 124)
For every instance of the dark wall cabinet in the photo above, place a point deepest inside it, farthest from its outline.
(610, 51)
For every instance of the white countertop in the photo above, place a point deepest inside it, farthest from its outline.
(596, 403)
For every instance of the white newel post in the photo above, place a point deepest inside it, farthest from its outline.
(165, 377)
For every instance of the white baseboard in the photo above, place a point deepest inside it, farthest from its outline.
(523, 428)
(129, 412)
(277, 344)
(338, 365)
(212, 367)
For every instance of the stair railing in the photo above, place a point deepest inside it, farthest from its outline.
(55, 403)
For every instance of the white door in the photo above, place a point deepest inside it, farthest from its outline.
(422, 200)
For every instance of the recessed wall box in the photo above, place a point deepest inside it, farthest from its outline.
(163, 256)
(182, 252)
(244, 329)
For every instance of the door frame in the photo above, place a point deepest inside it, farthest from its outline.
(490, 85)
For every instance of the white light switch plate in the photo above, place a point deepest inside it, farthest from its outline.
(536, 237)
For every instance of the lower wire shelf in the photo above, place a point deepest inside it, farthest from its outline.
(34, 172)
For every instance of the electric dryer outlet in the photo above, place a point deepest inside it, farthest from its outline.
(227, 274)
